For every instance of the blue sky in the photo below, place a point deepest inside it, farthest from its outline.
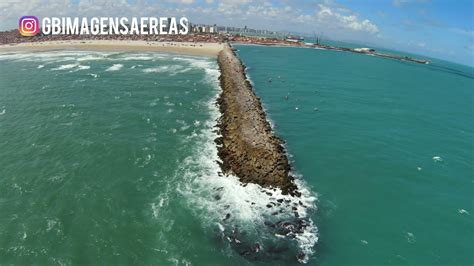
(438, 28)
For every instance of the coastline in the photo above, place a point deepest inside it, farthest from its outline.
(341, 49)
(248, 148)
(186, 48)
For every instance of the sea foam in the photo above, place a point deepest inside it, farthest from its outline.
(245, 216)
(114, 67)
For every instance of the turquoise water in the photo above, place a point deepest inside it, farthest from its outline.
(387, 145)
(109, 158)
(90, 146)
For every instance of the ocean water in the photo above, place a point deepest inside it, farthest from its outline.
(109, 158)
(387, 145)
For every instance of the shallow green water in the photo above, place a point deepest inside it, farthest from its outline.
(366, 137)
(90, 143)
(110, 158)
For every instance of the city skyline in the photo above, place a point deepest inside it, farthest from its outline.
(440, 29)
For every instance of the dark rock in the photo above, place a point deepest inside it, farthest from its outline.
(301, 256)
(227, 216)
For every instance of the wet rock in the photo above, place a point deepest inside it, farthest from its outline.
(227, 216)
(257, 248)
(301, 256)
(270, 224)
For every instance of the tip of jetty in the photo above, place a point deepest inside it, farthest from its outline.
(248, 148)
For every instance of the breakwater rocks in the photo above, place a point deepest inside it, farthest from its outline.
(248, 148)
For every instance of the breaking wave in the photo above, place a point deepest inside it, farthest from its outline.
(172, 70)
(114, 67)
(258, 223)
(255, 222)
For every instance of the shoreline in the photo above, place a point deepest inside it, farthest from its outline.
(186, 48)
(248, 147)
(341, 49)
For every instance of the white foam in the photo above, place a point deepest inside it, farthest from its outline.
(51, 224)
(137, 57)
(156, 207)
(209, 66)
(92, 57)
(114, 67)
(171, 69)
(65, 67)
(155, 102)
(79, 67)
(214, 195)
(46, 57)
(83, 67)
(410, 238)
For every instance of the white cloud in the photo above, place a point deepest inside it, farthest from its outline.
(254, 13)
(350, 21)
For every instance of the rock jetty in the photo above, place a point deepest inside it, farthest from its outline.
(248, 148)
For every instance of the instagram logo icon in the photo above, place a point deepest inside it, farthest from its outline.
(28, 26)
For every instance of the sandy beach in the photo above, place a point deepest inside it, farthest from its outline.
(188, 48)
